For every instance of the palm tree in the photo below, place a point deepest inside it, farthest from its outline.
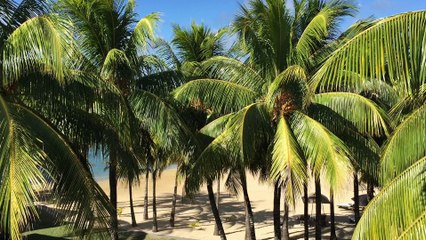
(272, 89)
(110, 47)
(190, 47)
(34, 151)
(400, 202)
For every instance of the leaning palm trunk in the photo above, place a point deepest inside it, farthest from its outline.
(132, 210)
(332, 222)
(145, 202)
(215, 211)
(318, 214)
(216, 230)
(356, 198)
(173, 212)
(113, 193)
(285, 235)
(277, 200)
(250, 232)
(305, 210)
(154, 202)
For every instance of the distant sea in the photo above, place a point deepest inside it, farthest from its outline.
(98, 165)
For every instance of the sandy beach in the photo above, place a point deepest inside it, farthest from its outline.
(195, 220)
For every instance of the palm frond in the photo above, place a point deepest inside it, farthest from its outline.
(405, 146)
(324, 151)
(245, 130)
(38, 44)
(161, 119)
(364, 150)
(288, 162)
(217, 126)
(144, 31)
(217, 95)
(21, 159)
(84, 202)
(314, 34)
(366, 115)
(234, 71)
(116, 65)
(292, 81)
(399, 209)
(390, 49)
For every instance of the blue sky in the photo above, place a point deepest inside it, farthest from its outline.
(219, 13)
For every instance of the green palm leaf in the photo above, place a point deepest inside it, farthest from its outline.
(377, 53)
(324, 151)
(398, 211)
(20, 160)
(288, 161)
(234, 71)
(293, 81)
(405, 146)
(39, 43)
(144, 30)
(364, 114)
(217, 126)
(26, 163)
(116, 65)
(217, 95)
(162, 120)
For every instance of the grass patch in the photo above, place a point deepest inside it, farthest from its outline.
(60, 232)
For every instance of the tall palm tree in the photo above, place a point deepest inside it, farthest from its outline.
(111, 41)
(399, 62)
(270, 101)
(34, 151)
(188, 48)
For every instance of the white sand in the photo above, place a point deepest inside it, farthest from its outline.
(195, 220)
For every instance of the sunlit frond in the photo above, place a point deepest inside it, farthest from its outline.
(217, 126)
(398, 211)
(405, 146)
(314, 34)
(364, 150)
(324, 151)
(391, 49)
(38, 44)
(85, 203)
(116, 65)
(20, 160)
(144, 30)
(217, 95)
(234, 71)
(288, 162)
(364, 113)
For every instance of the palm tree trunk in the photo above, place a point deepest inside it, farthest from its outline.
(145, 201)
(173, 213)
(356, 198)
(215, 210)
(332, 222)
(154, 202)
(285, 234)
(183, 198)
(277, 217)
(318, 208)
(306, 210)
(216, 230)
(250, 232)
(132, 210)
(370, 190)
(113, 193)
